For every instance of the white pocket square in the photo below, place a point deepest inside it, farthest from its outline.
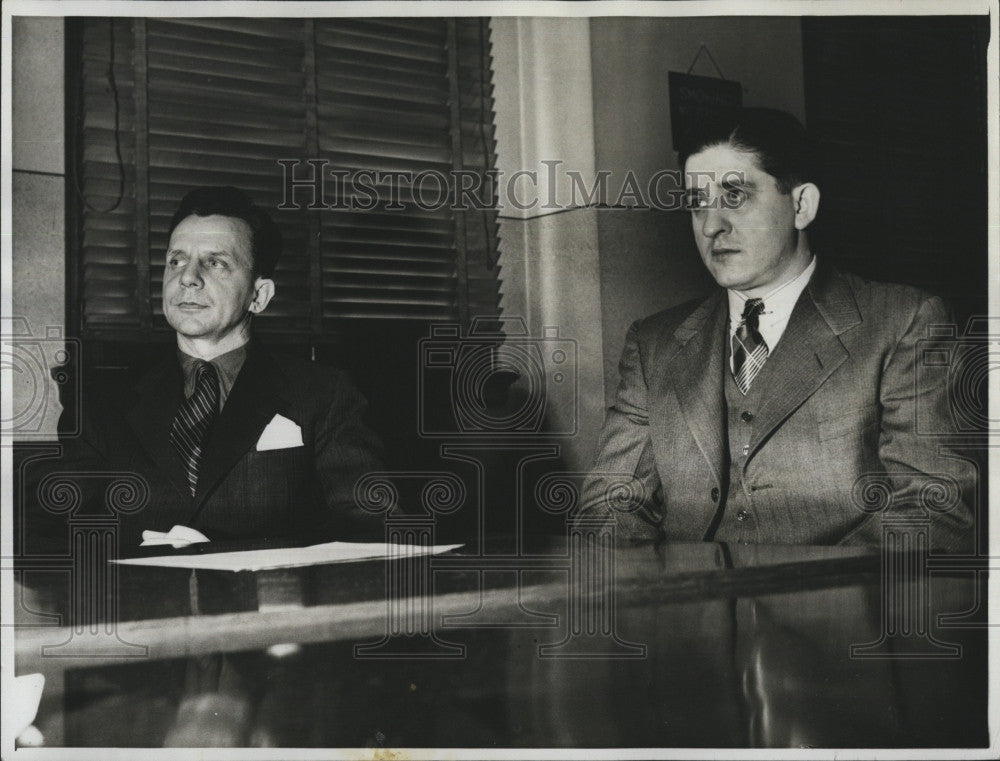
(281, 433)
(178, 536)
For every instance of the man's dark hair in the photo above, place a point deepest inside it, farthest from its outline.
(265, 237)
(777, 139)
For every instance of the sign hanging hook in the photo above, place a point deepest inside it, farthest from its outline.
(704, 48)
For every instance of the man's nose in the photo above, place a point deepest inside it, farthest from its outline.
(191, 274)
(714, 221)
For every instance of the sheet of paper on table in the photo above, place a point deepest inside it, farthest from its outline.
(289, 557)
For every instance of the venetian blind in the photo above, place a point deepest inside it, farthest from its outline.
(221, 101)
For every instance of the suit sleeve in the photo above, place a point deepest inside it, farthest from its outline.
(623, 482)
(347, 449)
(928, 477)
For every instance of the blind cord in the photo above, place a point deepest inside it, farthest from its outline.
(113, 85)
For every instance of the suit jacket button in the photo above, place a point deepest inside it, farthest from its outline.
(742, 515)
(715, 494)
(746, 417)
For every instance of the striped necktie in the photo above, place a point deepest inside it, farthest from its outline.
(194, 418)
(749, 347)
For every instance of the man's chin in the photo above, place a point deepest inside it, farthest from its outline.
(731, 280)
(193, 332)
(189, 326)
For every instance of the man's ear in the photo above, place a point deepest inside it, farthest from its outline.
(263, 292)
(806, 197)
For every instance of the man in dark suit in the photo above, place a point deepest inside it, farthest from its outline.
(782, 408)
(227, 438)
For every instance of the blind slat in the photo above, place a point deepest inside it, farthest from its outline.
(193, 55)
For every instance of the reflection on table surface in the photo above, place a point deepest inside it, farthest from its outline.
(680, 645)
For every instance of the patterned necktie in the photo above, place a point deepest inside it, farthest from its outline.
(749, 348)
(194, 418)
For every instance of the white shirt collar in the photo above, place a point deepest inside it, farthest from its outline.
(778, 305)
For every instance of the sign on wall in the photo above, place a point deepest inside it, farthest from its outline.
(693, 98)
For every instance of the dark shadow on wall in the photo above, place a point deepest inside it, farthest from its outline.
(897, 106)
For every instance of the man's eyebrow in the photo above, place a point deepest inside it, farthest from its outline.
(220, 252)
(738, 184)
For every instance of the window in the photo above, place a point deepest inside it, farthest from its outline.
(164, 105)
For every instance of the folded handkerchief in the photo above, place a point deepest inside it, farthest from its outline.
(281, 433)
(178, 536)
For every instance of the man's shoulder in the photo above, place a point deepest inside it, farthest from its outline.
(121, 382)
(880, 302)
(675, 314)
(298, 377)
(883, 300)
(879, 289)
(665, 322)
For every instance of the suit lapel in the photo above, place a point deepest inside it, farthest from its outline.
(151, 418)
(695, 374)
(252, 403)
(809, 351)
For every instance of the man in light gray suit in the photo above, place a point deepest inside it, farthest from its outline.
(782, 408)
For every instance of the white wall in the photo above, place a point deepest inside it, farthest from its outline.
(38, 213)
(549, 254)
